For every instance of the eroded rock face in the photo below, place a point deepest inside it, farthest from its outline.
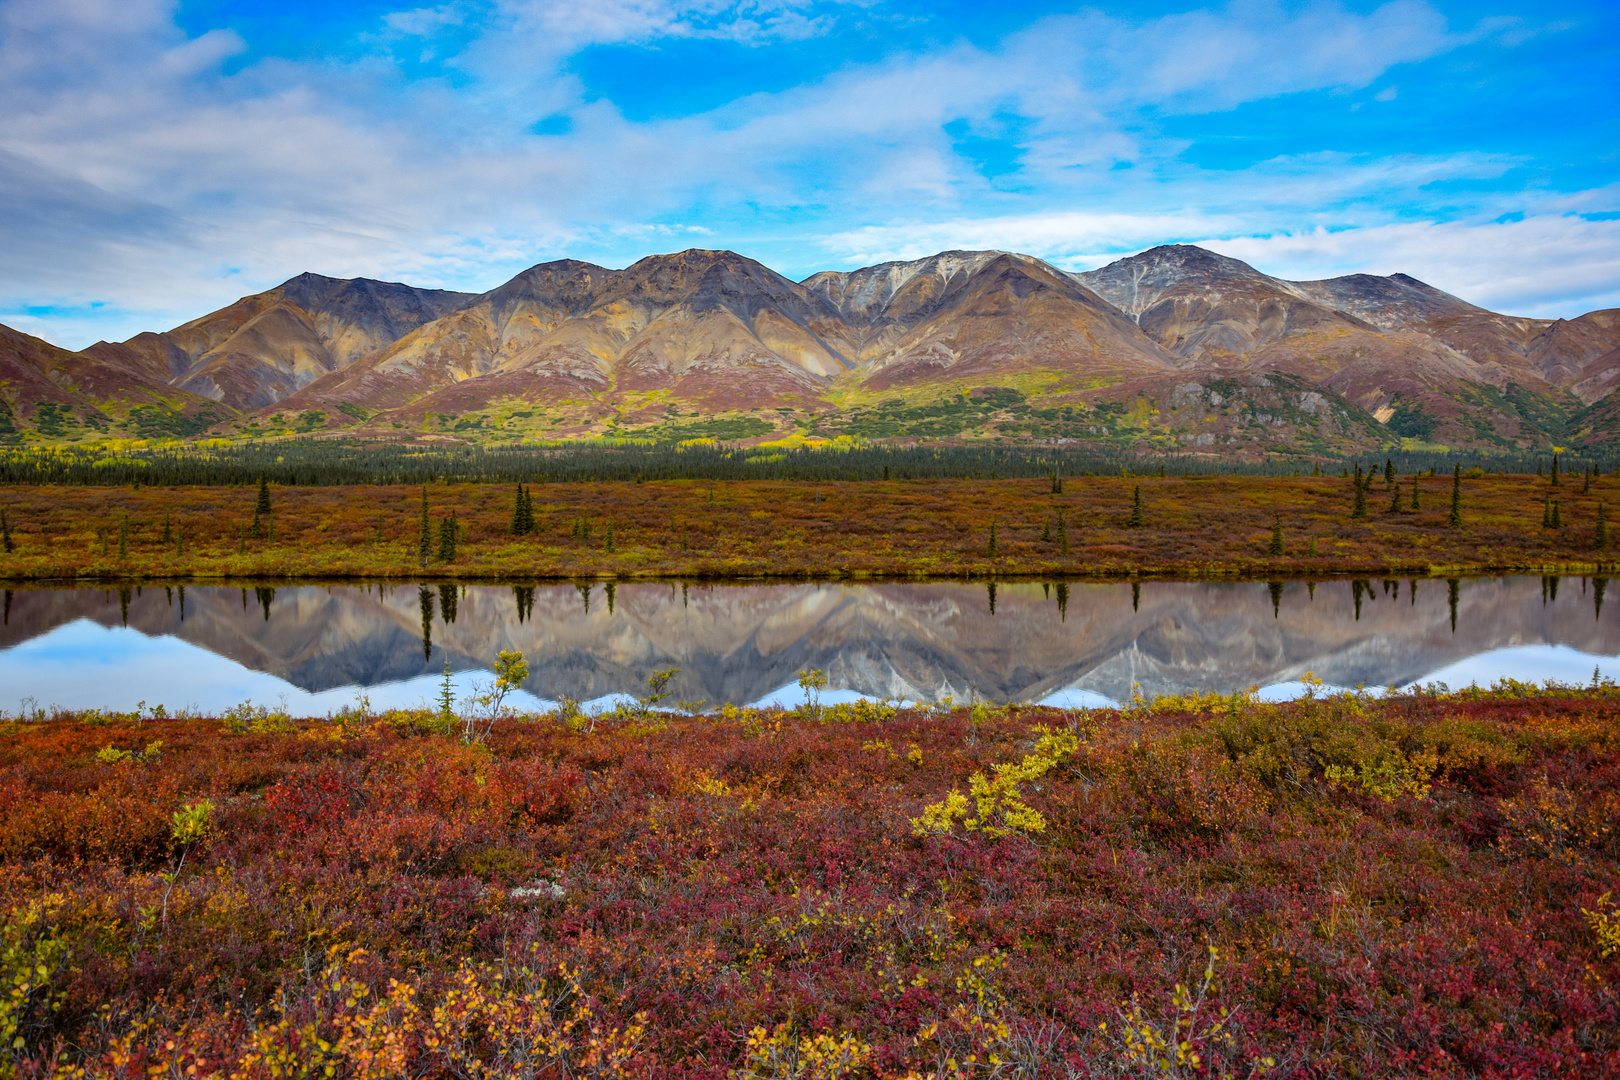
(737, 644)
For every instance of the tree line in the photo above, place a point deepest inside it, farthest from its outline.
(326, 462)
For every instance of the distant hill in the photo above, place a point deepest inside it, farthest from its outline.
(1175, 348)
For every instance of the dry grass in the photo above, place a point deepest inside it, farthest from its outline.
(1194, 527)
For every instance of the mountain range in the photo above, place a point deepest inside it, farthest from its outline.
(1174, 348)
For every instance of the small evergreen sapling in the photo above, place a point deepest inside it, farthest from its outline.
(447, 701)
(5, 534)
(990, 552)
(1275, 548)
(262, 506)
(1389, 473)
(1135, 520)
(1358, 509)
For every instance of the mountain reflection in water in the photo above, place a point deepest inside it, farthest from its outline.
(1006, 641)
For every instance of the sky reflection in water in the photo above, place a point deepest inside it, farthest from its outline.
(747, 644)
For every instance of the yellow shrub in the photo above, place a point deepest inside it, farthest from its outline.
(1606, 925)
(998, 808)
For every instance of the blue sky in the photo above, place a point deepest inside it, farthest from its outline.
(158, 160)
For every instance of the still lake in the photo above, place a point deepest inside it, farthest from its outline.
(315, 647)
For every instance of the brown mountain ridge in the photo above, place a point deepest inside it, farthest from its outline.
(1174, 348)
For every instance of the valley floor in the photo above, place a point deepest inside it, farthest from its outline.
(1414, 885)
(1190, 527)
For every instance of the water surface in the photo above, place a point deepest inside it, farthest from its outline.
(209, 647)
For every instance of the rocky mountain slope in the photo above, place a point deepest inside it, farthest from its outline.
(54, 394)
(1177, 347)
(264, 347)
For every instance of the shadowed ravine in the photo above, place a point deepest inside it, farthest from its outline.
(737, 644)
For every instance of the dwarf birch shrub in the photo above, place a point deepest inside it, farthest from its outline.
(1606, 925)
(32, 951)
(1194, 1040)
(779, 1055)
(997, 808)
(250, 719)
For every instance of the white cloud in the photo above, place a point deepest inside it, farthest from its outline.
(1545, 266)
(140, 174)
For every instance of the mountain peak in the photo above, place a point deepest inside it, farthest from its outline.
(1137, 282)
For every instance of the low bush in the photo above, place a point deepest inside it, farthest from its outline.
(1209, 886)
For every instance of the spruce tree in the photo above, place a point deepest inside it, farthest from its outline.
(1276, 545)
(447, 538)
(1135, 521)
(517, 512)
(990, 552)
(166, 533)
(263, 505)
(1046, 532)
(1557, 516)
(123, 537)
(1546, 512)
(1454, 519)
(1063, 535)
(1600, 534)
(1395, 499)
(5, 533)
(1358, 509)
(424, 540)
(1415, 506)
(1389, 473)
(608, 547)
(1555, 471)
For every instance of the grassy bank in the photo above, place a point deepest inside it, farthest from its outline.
(1412, 886)
(1189, 527)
